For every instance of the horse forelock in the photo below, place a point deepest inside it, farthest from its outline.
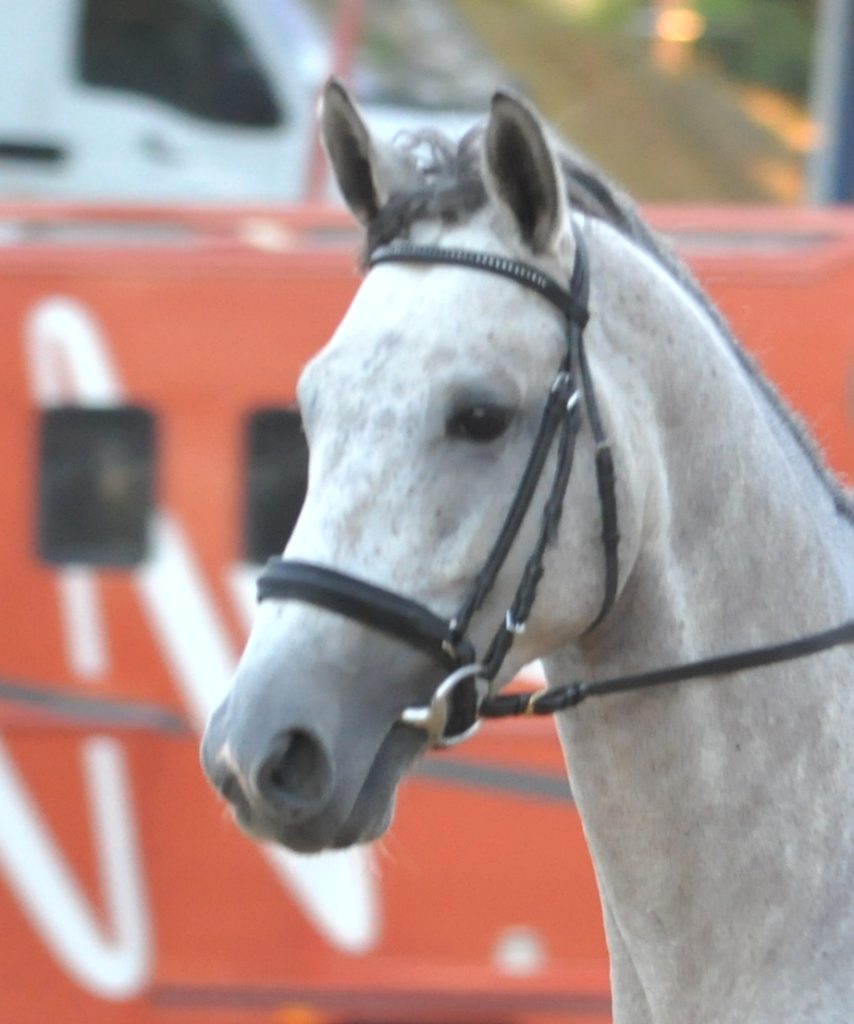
(445, 184)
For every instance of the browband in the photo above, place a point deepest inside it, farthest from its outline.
(575, 310)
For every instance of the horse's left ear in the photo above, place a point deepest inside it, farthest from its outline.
(521, 172)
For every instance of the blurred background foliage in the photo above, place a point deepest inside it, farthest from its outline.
(677, 99)
(768, 42)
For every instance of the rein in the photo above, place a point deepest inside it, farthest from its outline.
(463, 699)
(548, 701)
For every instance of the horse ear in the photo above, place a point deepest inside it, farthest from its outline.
(352, 152)
(521, 172)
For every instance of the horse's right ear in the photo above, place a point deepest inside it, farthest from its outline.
(352, 152)
(521, 172)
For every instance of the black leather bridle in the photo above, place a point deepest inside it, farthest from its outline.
(463, 698)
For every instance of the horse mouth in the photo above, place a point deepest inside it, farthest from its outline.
(373, 811)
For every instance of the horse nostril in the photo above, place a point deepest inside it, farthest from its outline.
(297, 774)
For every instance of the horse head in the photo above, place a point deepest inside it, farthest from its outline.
(420, 414)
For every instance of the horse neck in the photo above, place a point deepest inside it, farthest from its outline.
(706, 804)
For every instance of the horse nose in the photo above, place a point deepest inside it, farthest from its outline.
(295, 778)
(289, 775)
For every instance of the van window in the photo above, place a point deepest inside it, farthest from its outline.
(187, 53)
(276, 479)
(95, 485)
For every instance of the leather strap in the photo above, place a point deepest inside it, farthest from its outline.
(606, 486)
(366, 603)
(571, 302)
(558, 698)
(555, 415)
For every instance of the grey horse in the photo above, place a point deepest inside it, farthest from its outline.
(719, 812)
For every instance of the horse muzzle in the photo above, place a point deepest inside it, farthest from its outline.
(286, 780)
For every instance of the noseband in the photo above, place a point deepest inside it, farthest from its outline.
(462, 699)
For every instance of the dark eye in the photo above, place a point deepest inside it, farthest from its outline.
(479, 422)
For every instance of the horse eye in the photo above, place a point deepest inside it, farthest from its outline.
(479, 422)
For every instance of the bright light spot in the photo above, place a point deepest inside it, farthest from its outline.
(782, 179)
(680, 25)
(266, 235)
(520, 952)
(788, 121)
(300, 1015)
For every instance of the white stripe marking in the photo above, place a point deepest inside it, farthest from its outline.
(112, 959)
(83, 622)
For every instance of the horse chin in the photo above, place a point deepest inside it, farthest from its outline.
(373, 810)
(369, 816)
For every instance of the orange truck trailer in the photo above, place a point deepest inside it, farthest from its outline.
(151, 460)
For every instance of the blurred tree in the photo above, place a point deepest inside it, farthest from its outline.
(764, 42)
(685, 136)
(769, 42)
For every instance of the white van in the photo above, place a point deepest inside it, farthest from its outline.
(162, 100)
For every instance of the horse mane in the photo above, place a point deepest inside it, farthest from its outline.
(446, 185)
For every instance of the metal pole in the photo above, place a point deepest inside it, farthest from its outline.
(831, 173)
